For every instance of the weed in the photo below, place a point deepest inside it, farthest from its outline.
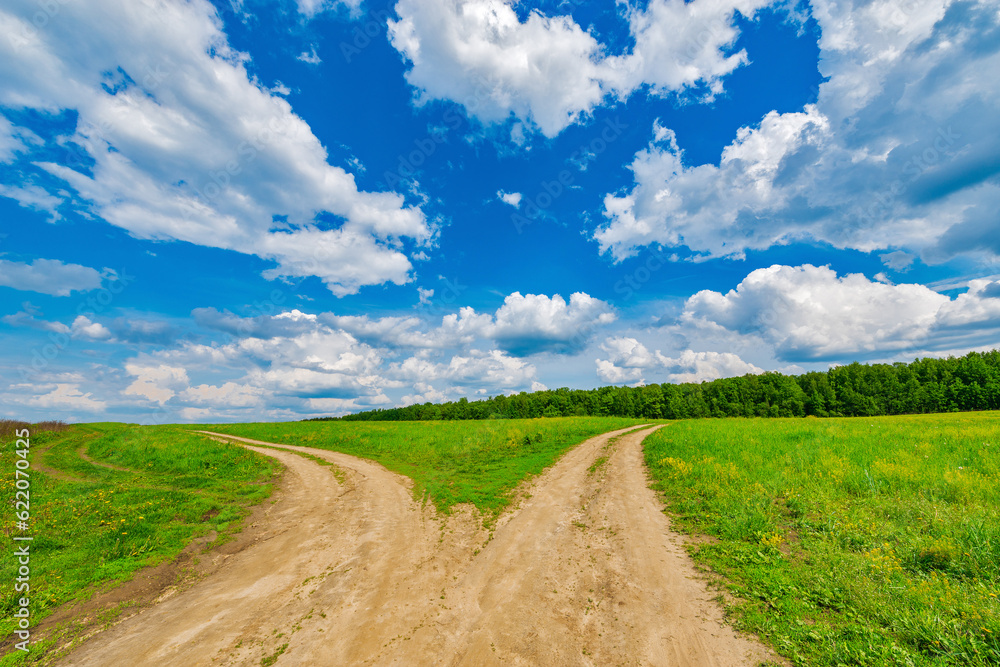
(273, 658)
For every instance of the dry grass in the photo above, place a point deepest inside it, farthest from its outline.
(9, 426)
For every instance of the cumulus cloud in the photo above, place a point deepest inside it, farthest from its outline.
(523, 325)
(308, 363)
(305, 364)
(512, 198)
(155, 382)
(535, 322)
(899, 150)
(84, 327)
(476, 368)
(187, 146)
(809, 313)
(67, 396)
(226, 395)
(630, 362)
(48, 276)
(706, 207)
(424, 393)
(479, 54)
(681, 45)
(549, 72)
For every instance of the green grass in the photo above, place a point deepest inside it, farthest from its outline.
(450, 462)
(865, 541)
(266, 661)
(101, 525)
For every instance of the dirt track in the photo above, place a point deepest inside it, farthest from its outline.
(585, 571)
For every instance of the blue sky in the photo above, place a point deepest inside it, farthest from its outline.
(250, 210)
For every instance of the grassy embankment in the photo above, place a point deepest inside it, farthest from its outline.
(450, 462)
(865, 541)
(94, 526)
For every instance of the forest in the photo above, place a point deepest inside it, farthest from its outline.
(928, 385)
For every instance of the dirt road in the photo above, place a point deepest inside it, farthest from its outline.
(353, 571)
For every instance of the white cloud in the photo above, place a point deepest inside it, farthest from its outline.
(487, 368)
(424, 393)
(811, 313)
(310, 57)
(535, 322)
(549, 72)
(155, 382)
(310, 8)
(316, 367)
(9, 144)
(83, 327)
(512, 198)
(523, 325)
(26, 318)
(681, 45)
(898, 152)
(407, 331)
(546, 70)
(32, 197)
(693, 366)
(705, 207)
(630, 362)
(201, 152)
(48, 276)
(611, 373)
(309, 363)
(65, 396)
(977, 309)
(228, 395)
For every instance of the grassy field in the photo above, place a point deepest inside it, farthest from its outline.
(865, 541)
(450, 462)
(868, 541)
(95, 525)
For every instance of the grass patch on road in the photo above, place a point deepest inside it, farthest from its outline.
(864, 541)
(95, 525)
(450, 462)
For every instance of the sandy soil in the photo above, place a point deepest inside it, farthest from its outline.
(354, 571)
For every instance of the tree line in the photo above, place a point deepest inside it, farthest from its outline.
(926, 385)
